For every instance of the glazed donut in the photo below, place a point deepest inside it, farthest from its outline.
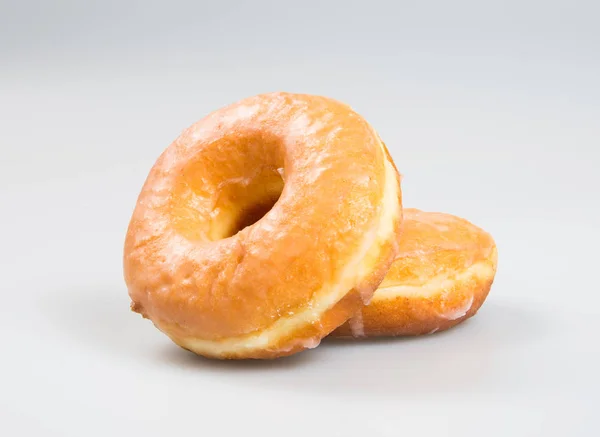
(441, 276)
(263, 227)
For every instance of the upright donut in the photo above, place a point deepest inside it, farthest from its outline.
(441, 276)
(263, 227)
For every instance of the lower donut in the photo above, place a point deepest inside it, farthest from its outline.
(441, 277)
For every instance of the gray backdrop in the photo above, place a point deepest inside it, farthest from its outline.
(491, 111)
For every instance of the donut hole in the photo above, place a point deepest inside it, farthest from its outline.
(248, 205)
(230, 186)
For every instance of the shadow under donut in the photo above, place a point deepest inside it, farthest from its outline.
(488, 353)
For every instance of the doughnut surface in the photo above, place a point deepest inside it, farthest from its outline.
(263, 227)
(441, 276)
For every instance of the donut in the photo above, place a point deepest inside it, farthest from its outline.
(441, 276)
(263, 227)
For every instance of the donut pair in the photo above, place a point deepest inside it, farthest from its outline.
(271, 223)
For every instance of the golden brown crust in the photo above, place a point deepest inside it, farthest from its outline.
(280, 284)
(441, 277)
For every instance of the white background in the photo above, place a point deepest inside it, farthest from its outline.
(491, 111)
